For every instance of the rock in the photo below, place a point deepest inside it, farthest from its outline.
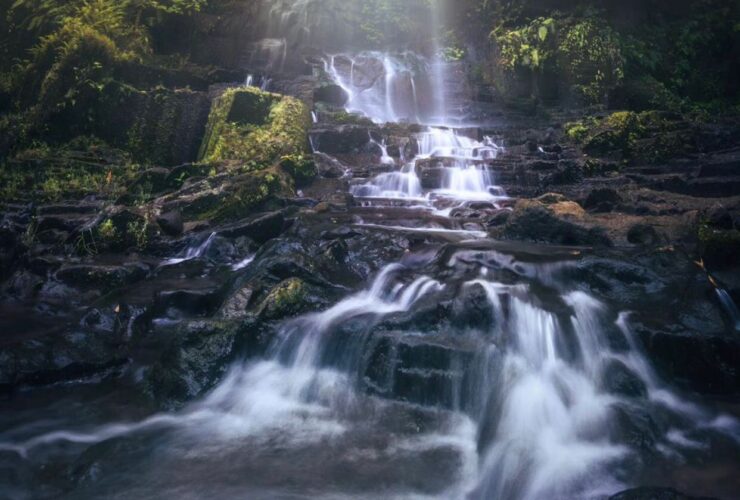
(153, 180)
(649, 493)
(568, 209)
(322, 207)
(719, 249)
(171, 223)
(720, 217)
(23, 285)
(328, 167)
(602, 200)
(552, 198)
(499, 218)
(532, 220)
(102, 277)
(301, 168)
(345, 139)
(195, 359)
(643, 234)
(635, 427)
(285, 300)
(331, 94)
(260, 228)
(567, 172)
(235, 307)
(472, 308)
(618, 379)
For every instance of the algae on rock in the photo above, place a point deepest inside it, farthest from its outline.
(255, 128)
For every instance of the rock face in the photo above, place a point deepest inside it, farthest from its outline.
(654, 494)
(532, 220)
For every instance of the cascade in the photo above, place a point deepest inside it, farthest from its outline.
(465, 369)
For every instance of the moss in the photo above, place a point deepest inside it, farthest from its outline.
(107, 231)
(286, 299)
(301, 168)
(649, 136)
(576, 131)
(72, 171)
(239, 198)
(255, 128)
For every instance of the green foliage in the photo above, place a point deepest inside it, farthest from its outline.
(592, 59)
(530, 46)
(76, 170)
(576, 131)
(107, 230)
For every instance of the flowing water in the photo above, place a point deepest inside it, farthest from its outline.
(507, 394)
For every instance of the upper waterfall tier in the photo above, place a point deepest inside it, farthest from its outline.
(405, 87)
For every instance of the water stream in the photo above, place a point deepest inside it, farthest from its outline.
(376, 397)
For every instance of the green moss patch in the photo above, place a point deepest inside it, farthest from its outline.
(255, 128)
(648, 136)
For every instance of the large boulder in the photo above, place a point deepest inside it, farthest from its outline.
(255, 128)
(535, 221)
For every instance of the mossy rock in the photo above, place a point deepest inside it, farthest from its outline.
(649, 136)
(301, 168)
(255, 128)
(228, 197)
(285, 300)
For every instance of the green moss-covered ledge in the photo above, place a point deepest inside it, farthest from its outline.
(255, 128)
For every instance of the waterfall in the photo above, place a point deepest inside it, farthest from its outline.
(193, 252)
(531, 416)
(461, 159)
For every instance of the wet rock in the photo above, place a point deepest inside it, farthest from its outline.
(345, 139)
(195, 359)
(698, 361)
(235, 307)
(331, 94)
(328, 167)
(289, 298)
(567, 172)
(171, 223)
(721, 217)
(602, 200)
(643, 234)
(650, 493)
(61, 356)
(199, 302)
(260, 228)
(499, 218)
(23, 285)
(102, 277)
(472, 308)
(720, 249)
(532, 220)
(635, 427)
(619, 379)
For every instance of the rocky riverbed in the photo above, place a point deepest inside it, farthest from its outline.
(358, 283)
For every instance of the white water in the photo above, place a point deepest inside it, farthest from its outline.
(536, 386)
(464, 176)
(191, 253)
(730, 307)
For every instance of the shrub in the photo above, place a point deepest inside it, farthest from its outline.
(591, 59)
